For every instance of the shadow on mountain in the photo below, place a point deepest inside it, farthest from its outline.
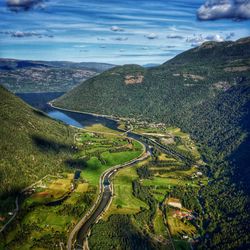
(46, 145)
(76, 163)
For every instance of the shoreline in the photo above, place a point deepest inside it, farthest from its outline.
(84, 113)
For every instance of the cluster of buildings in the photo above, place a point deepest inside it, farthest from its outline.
(180, 212)
(183, 214)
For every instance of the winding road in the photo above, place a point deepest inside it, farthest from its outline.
(81, 229)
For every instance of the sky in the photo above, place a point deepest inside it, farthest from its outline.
(116, 31)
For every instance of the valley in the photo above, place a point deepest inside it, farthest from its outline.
(56, 203)
(210, 103)
(133, 158)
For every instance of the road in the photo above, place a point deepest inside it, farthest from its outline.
(12, 217)
(80, 231)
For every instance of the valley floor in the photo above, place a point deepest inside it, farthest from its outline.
(157, 199)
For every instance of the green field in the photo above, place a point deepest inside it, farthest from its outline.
(160, 176)
(159, 225)
(104, 152)
(124, 202)
(48, 225)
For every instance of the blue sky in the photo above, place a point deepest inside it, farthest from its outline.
(119, 32)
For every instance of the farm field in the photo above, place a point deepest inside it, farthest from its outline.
(144, 193)
(124, 202)
(52, 206)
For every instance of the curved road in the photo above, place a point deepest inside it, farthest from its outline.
(80, 231)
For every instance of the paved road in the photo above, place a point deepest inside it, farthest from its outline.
(80, 231)
(12, 217)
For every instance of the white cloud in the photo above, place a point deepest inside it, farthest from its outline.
(151, 36)
(198, 40)
(120, 38)
(21, 34)
(215, 38)
(219, 9)
(116, 28)
(100, 38)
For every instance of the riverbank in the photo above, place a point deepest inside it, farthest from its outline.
(84, 113)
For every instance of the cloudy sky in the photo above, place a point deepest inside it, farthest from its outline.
(116, 31)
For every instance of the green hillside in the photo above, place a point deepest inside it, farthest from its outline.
(206, 92)
(31, 145)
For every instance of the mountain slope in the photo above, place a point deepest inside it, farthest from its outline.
(44, 76)
(31, 145)
(206, 92)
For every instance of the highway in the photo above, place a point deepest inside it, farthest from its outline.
(80, 231)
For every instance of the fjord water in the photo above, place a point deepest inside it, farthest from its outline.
(40, 100)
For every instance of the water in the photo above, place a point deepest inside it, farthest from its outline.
(40, 100)
(58, 115)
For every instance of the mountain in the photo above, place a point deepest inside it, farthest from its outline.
(206, 92)
(43, 76)
(31, 145)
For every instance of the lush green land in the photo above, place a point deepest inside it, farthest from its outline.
(142, 194)
(32, 145)
(206, 92)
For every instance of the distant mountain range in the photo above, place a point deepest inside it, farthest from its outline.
(206, 92)
(150, 65)
(44, 76)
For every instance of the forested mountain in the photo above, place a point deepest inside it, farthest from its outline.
(206, 92)
(21, 76)
(31, 144)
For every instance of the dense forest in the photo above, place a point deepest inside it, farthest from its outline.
(206, 92)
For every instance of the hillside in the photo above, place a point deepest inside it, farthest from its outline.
(206, 92)
(32, 145)
(21, 76)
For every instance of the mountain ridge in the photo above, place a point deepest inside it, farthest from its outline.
(22, 76)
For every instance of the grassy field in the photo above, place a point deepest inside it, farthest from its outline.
(124, 202)
(179, 227)
(166, 182)
(101, 129)
(104, 152)
(159, 226)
